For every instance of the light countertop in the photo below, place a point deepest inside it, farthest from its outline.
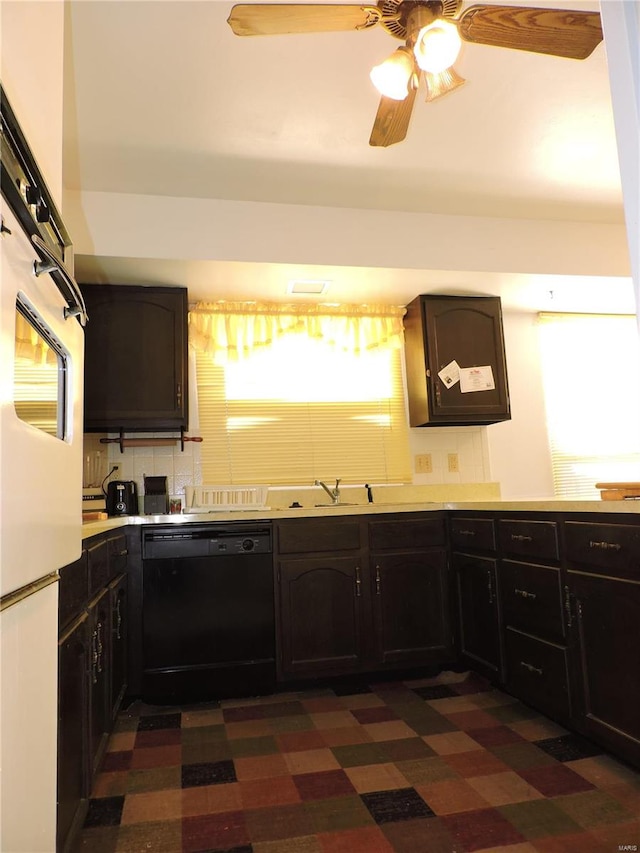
(91, 528)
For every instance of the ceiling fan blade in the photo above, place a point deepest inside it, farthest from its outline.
(556, 32)
(443, 83)
(267, 19)
(392, 120)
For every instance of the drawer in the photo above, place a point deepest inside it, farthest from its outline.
(532, 599)
(74, 590)
(610, 549)
(473, 533)
(98, 566)
(398, 534)
(520, 538)
(538, 673)
(308, 536)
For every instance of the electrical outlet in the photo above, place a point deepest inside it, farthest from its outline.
(423, 463)
(452, 460)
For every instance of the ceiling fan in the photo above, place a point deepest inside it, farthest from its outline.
(432, 34)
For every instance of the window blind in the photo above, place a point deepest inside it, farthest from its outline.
(591, 376)
(283, 426)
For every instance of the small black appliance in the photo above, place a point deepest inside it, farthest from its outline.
(122, 497)
(156, 497)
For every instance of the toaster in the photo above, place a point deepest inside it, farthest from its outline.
(122, 498)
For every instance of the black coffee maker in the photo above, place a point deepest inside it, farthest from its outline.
(122, 498)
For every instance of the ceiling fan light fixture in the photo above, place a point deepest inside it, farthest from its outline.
(437, 46)
(443, 83)
(393, 78)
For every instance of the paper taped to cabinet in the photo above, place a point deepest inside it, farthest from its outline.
(476, 379)
(450, 374)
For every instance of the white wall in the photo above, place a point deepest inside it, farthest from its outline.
(518, 449)
(31, 67)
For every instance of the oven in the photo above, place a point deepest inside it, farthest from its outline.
(42, 344)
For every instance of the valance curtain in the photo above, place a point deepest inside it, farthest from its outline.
(231, 331)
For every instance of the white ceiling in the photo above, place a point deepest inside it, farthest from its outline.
(161, 99)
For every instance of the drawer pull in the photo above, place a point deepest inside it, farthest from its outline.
(525, 594)
(467, 532)
(520, 537)
(358, 583)
(377, 580)
(531, 668)
(605, 546)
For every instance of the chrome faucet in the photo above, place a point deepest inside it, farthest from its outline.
(334, 494)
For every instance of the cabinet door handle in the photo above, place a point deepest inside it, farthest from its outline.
(605, 546)
(94, 657)
(100, 646)
(118, 619)
(530, 667)
(123, 553)
(520, 537)
(567, 606)
(490, 586)
(524, 594)
(466, 532)
(179, 394)
(358, 583)
(377, 580)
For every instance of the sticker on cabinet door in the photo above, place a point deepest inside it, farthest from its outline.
(450, 374)
(476, 379)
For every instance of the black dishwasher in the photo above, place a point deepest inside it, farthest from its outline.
(208, 612)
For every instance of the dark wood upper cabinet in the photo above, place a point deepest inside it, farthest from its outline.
(440, 330)
(135, 358)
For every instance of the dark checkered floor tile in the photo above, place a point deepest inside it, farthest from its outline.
(568, 747)
(430, 766)
(391, 806)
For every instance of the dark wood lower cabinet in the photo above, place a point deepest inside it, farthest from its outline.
(412, 625)
(92, 657)
(607, 624)
(73, 729)
(478, 622)
(320, 616)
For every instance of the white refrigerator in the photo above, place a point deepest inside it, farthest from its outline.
(41, 352)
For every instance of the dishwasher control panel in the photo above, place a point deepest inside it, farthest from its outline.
(165, 542)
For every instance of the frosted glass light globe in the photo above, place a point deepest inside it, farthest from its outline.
(437, 46)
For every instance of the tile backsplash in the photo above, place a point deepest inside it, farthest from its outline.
(181, 468)
(184, 468)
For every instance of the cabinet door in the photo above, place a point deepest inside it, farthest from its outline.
(478, 612)
(118, 640)
(411, 608)
(607, 623)
(73, 729)
(320, 616)
(135, 358)
(468, 330)
(99, 677)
